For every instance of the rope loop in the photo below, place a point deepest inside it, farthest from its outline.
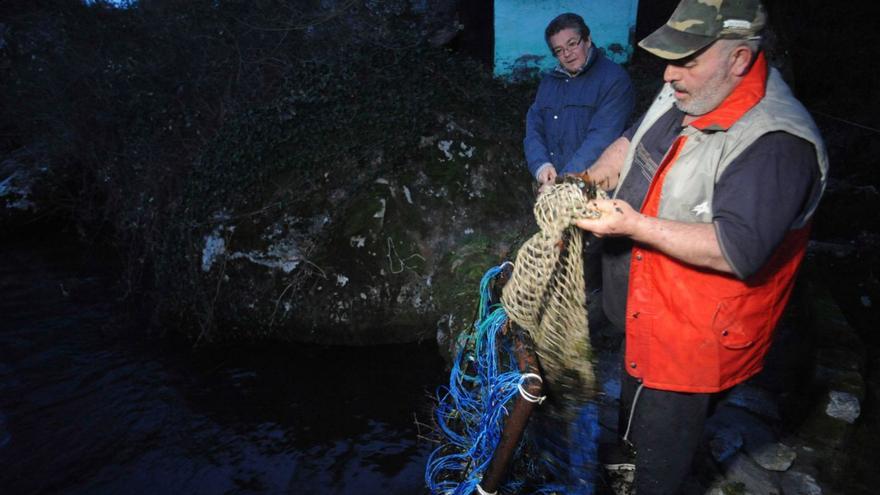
(484, 492)
(526, 395)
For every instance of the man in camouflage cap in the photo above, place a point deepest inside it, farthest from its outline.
(714, 191)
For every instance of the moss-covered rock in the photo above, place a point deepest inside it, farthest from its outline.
(340, 180)
(387, 247)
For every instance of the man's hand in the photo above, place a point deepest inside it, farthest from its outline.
(618, 218)
(546, 176)
(692, 243)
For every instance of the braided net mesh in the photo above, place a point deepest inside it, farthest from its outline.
(546, 295)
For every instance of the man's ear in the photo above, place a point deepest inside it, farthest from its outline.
(742, 60)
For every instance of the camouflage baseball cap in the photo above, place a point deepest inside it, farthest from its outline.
(697, 23)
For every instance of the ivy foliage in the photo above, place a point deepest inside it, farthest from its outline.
(154, 118)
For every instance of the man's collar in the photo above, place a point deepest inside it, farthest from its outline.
(745, 95)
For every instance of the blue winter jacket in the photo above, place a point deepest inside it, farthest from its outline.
(573, 119)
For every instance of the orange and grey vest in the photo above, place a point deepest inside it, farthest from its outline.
(692, 329)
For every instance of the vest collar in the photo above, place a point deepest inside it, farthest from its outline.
(746, 95)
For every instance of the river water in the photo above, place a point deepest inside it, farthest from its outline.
(91, 404)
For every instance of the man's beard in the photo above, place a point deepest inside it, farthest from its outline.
(705, 99)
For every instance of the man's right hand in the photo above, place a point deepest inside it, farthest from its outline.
(546, 176)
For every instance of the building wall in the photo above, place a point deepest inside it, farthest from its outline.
(520, 49)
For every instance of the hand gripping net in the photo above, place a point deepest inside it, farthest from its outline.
(546, 293)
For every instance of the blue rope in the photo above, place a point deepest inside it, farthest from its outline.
(471, 409)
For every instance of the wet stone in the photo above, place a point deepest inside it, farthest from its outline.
(755, 399)
(843, 380)
(718, 489)
(754, 479)
(726, 442)
(754, 432)
(843, 406)
(773, 457)
(795, 483)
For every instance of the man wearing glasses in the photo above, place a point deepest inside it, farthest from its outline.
(581, 106)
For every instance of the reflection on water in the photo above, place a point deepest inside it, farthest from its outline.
(89, 406)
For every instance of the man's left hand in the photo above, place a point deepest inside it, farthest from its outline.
(618, 218)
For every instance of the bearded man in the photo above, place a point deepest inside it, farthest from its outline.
(714, 190)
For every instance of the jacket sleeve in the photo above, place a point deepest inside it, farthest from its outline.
(535, 142)
(778, 169)
(607, 124)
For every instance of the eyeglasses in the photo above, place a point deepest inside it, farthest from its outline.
(569, 47)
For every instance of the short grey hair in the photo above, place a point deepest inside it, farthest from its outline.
(753, 44)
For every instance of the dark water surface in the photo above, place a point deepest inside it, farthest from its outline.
(90, 405)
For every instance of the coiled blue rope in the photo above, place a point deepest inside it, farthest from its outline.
(471, 409)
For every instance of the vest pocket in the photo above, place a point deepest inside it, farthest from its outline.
(727, 324)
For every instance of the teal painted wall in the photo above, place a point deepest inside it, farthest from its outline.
(519, 31)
